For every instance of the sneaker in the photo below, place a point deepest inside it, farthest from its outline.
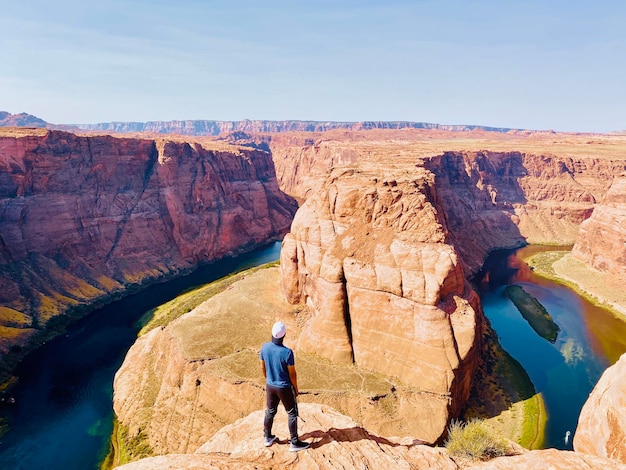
(270, 440)
(298, 446)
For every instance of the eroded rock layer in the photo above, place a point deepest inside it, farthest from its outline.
(601, 242)
(83, 217)
(368, 255)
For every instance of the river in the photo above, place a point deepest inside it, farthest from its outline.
(564, 372)
(62, 417)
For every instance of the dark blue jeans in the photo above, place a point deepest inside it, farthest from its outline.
(287, 398)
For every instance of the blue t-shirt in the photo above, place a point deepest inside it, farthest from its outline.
(277, 358)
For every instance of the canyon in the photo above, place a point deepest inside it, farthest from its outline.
(374, 274)
(85, 218)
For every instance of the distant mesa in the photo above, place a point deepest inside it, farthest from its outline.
(208, 128)
(20, 120)
(201, 127)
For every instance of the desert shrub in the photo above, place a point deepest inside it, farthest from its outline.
(473, 440)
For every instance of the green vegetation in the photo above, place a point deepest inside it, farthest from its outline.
(503, 396)
(126, 448)
(535, 314)
(474, 440)
(535, 415)
(166, 313)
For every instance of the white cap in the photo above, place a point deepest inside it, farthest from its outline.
(279, 330)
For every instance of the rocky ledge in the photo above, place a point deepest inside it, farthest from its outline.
(338, 442)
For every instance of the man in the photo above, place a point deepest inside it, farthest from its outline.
(279, 370)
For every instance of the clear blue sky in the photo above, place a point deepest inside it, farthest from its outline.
(538, 64)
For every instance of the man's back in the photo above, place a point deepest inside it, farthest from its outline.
(277, 359)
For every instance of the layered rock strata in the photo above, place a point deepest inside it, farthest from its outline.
(489, 199)
(205, 127)
(368, 256)
(380, 253)
(84, 217)
(601, 427)
(601, 242)
(495, 200)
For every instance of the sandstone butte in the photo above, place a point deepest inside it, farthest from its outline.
(87, 217)
(371, 199)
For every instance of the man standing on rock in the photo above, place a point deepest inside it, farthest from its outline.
(279, 370)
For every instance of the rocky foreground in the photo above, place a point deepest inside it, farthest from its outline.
(338, 442)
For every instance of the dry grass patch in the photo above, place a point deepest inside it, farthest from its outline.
(474, 440)
(14, 318)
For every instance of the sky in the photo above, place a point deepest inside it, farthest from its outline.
(533, 64)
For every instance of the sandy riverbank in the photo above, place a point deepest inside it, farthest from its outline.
(602, 289)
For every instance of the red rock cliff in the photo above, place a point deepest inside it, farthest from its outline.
(82, 217)
(368, 254)
(380, 253)
(601, 242)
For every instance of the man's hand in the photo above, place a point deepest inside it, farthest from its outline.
(293, 377)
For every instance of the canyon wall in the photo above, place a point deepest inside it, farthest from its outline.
(381, 250)
(601, 242)
(503, 199)
(85, 217)
(601, 427)
(490, 199)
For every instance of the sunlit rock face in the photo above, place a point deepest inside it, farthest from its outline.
(380, 251)
(601, 242)
(368, 255)
(84, 217)
(601, 427)
(338, 442)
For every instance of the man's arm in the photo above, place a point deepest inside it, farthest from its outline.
(293, 377)
(263, 368)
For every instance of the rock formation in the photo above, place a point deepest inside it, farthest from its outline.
(182, 383)
(368, 256)
(601, 242)
(85, 217)
(549, 459)
(601, 427)
(339, 443)
(380, 252)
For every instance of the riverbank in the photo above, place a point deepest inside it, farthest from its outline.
(601, 289)
(503, 396)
